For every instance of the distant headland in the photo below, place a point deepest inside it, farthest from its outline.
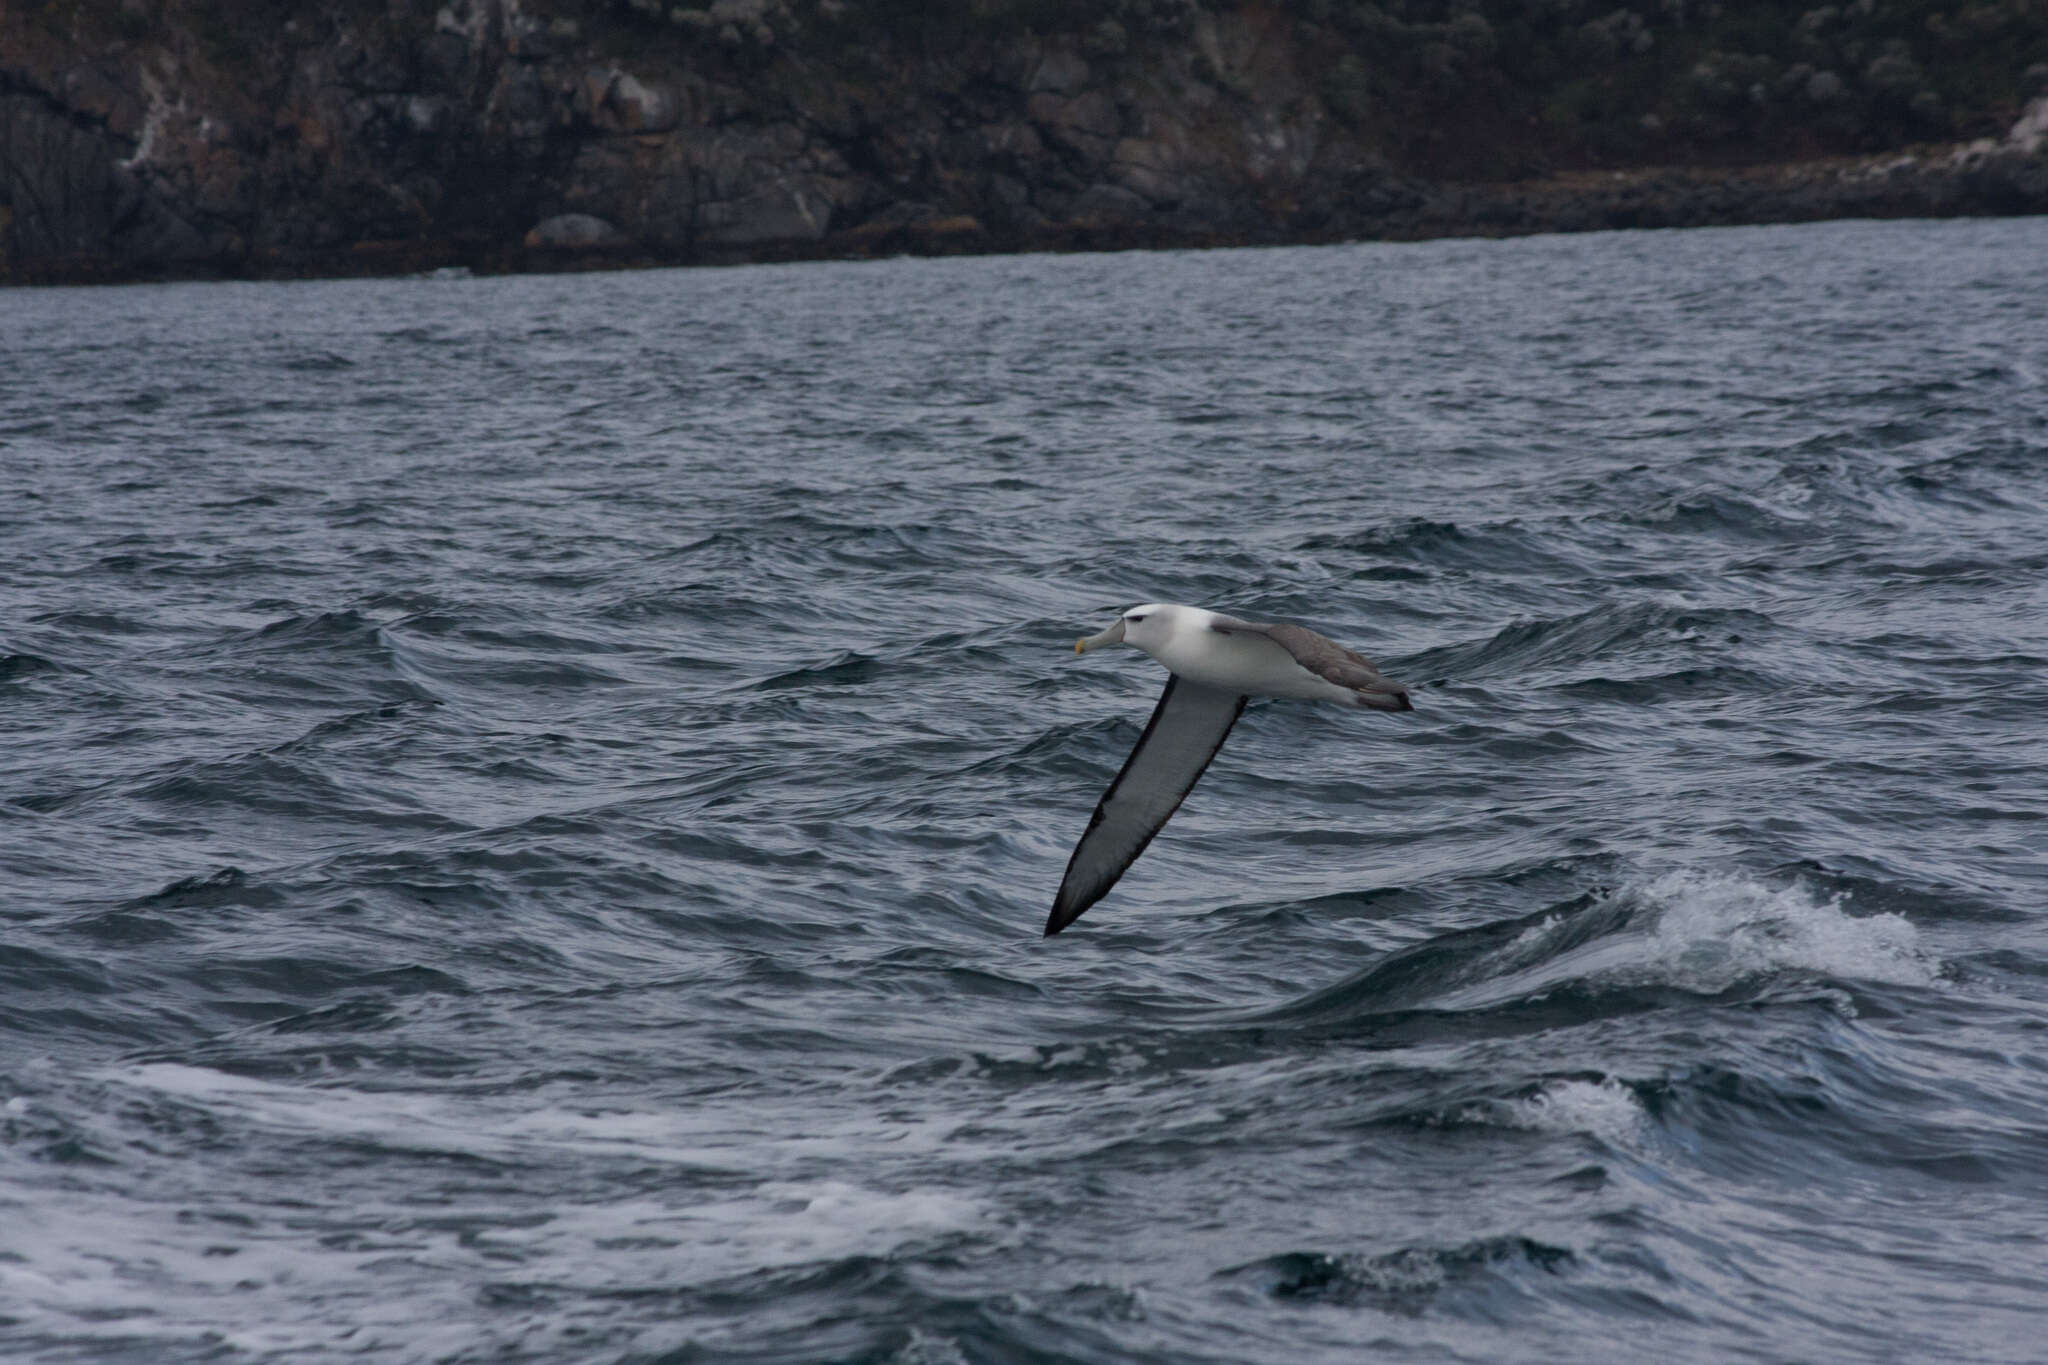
(182, 139)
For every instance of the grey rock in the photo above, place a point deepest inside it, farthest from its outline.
(747, 191)
(1149, 169)
(781, 212)
(1085, 125)
(573, 232)
(631, 105)
(1109, 205)
(1059, 72)
(68, 192)
(1012, 143)
(2029, 132)
(1824, 87)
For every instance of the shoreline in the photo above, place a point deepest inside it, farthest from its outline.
(1943, 181)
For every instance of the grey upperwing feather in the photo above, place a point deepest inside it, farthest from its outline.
(1324, 657)
(1187, 728)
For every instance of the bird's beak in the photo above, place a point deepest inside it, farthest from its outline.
(1113, 636)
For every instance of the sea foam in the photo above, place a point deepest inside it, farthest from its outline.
(1706, 931)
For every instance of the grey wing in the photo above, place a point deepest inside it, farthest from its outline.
(1187, 728)
(1324, 657)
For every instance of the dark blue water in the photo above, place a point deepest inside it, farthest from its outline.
(527, 808)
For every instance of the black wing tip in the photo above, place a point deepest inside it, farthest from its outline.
(1062, 915)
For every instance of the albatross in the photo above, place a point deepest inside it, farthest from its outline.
(1214, 665)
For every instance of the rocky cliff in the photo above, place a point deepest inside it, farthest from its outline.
(161, 138)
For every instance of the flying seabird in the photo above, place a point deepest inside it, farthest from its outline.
(1214, 664)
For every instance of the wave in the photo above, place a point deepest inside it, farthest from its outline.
(1404, 1279)
(1728, 519)
(1608, 635)
(311, 657)
(15, 668)
(1506, 547)
(1606, 1109)
(1689, 931)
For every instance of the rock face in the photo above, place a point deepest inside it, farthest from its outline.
(153, 138)
(573, 232)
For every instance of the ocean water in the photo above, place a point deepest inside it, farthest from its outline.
(527, 808)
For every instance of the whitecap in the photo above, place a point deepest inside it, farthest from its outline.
(1703, 932)
(925, 1348)
(1605, 1109)
(1708, 931)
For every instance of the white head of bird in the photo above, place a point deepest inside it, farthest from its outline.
(1147, 627)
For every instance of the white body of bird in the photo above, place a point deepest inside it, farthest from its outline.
(1213, 663)
(1187, 641)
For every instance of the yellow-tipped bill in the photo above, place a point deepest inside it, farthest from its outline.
(1113, 636)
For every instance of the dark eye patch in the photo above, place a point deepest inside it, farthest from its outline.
(1135, 619)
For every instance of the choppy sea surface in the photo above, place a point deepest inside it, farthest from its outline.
(527, 808)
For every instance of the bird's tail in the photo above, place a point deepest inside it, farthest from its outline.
(1383, 695)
